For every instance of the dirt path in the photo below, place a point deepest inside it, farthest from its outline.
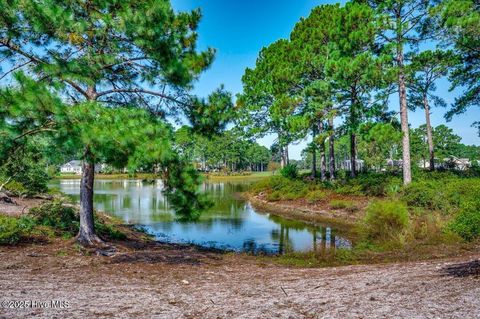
(165, 282)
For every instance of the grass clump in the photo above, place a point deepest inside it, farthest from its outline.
(343, 204)
(385, 221)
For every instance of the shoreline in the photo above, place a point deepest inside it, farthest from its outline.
(340, 219)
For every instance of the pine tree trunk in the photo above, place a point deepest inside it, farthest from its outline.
(323, 166)
(331, 145)
(429, 133)
(314, 154)
(402, 92)
(86, 235)
(353, 155)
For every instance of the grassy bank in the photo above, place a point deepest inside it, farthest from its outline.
(437, 215)
(55, 219)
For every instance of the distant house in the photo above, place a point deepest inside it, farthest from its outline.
(347, 165)
(72, 167)
(75, 167)
(457, 163)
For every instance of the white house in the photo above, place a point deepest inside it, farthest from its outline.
(75, 167)
(72, 167)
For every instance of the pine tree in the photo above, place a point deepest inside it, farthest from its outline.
(100, 59)
(427, 67)
(402, 24)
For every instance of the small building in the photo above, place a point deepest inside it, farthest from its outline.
(75, 167)
(72, 167)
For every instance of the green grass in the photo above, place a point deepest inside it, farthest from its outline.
(343, 204)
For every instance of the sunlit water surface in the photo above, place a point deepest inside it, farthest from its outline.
(231, 224)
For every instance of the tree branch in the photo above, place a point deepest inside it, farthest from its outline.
(136, 90)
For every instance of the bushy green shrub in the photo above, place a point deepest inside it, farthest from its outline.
(57, 216)
(66, 220)
(385, 221)
(447, 195)
(467, 222)
(289, 171)
(349, 189)
(12, 229)
(316, 196)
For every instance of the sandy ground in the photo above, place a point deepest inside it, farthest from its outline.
(159, 281)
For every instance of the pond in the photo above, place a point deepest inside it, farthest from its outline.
(231, 224)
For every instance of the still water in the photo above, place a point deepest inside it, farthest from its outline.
(231, 224)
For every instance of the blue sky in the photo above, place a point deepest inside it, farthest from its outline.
(238, 29)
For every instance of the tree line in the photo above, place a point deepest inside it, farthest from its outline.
(342, 65)
(227, 152)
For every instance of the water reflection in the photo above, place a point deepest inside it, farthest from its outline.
(231, 223)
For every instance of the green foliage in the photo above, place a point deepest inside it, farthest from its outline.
(25, 171)
(289, 171)
(182, 190)
(11, 230)
(65, 220)
(442, 192)
(369, 184)
(57, 216)
(467, 223)
(385, 221)
(282, 188)
(459, 24)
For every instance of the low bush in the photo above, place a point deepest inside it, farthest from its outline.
(385, 221)
(65, 220)
(315, 196)
(446, 195)
(289, 171)
(10, 230)
(57, 216)
(467, 222)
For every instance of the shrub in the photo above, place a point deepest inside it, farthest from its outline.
(12, 229)
(343, 204)
(66, 220)
(467, 222)
(16, 188)
(316, 196)
(57, 216)
(385, 221)
(289, 171)
(355, 190)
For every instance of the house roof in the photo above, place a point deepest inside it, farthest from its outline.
(74, 163)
